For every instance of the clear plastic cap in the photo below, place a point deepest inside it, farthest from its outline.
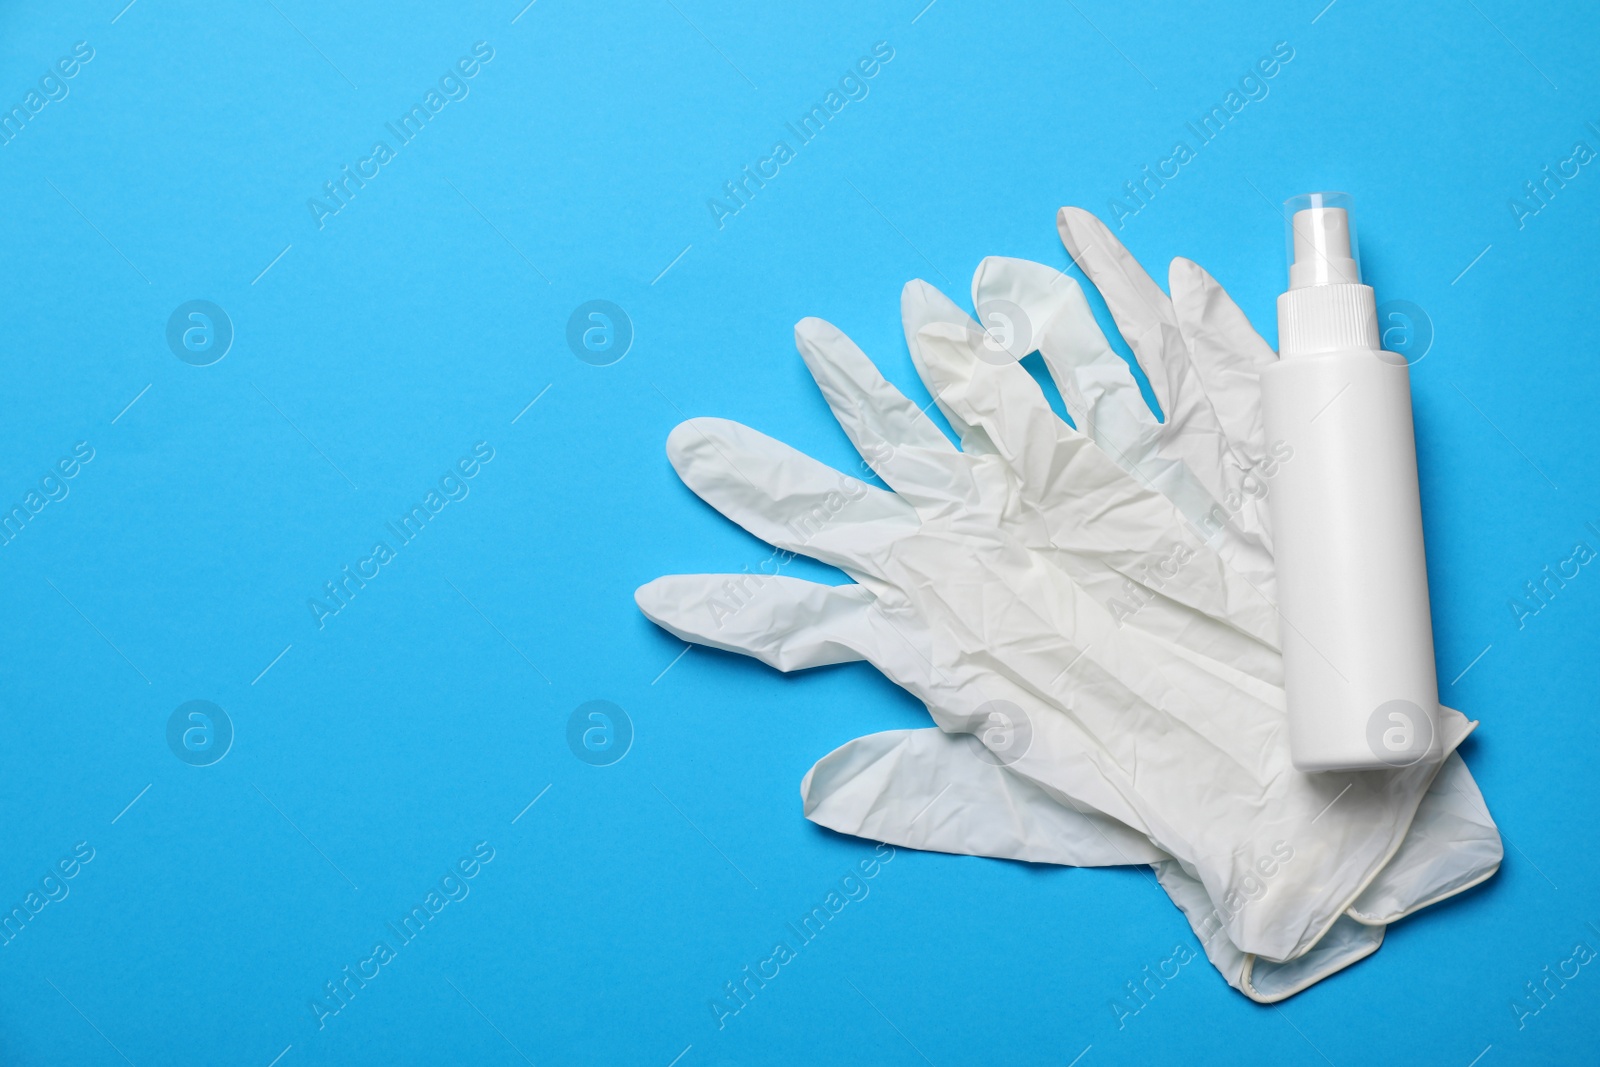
(1322, 240)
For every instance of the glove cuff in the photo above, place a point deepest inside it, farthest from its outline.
(1265, 982)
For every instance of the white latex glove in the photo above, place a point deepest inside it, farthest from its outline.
(957, 607)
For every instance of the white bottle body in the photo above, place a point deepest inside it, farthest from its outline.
(1347, 533)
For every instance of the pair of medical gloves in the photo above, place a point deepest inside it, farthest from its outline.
(1087, 610)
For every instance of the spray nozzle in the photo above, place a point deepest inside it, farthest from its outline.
(1322, 241)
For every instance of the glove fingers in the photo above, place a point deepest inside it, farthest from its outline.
(1099, 388)
(1107, 528)
(1142, 311)
(1005, 405)
(1226, 351)
(922, 305)
(1082, 364)
(1192, 458)
(783, 622)
(785, 497)
(937, 792)
(899, 442)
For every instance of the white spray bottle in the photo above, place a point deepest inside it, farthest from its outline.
(1346, 514)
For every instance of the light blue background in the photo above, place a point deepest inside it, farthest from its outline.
(425, 317)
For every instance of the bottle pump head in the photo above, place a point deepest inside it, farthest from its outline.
(1322, 241)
